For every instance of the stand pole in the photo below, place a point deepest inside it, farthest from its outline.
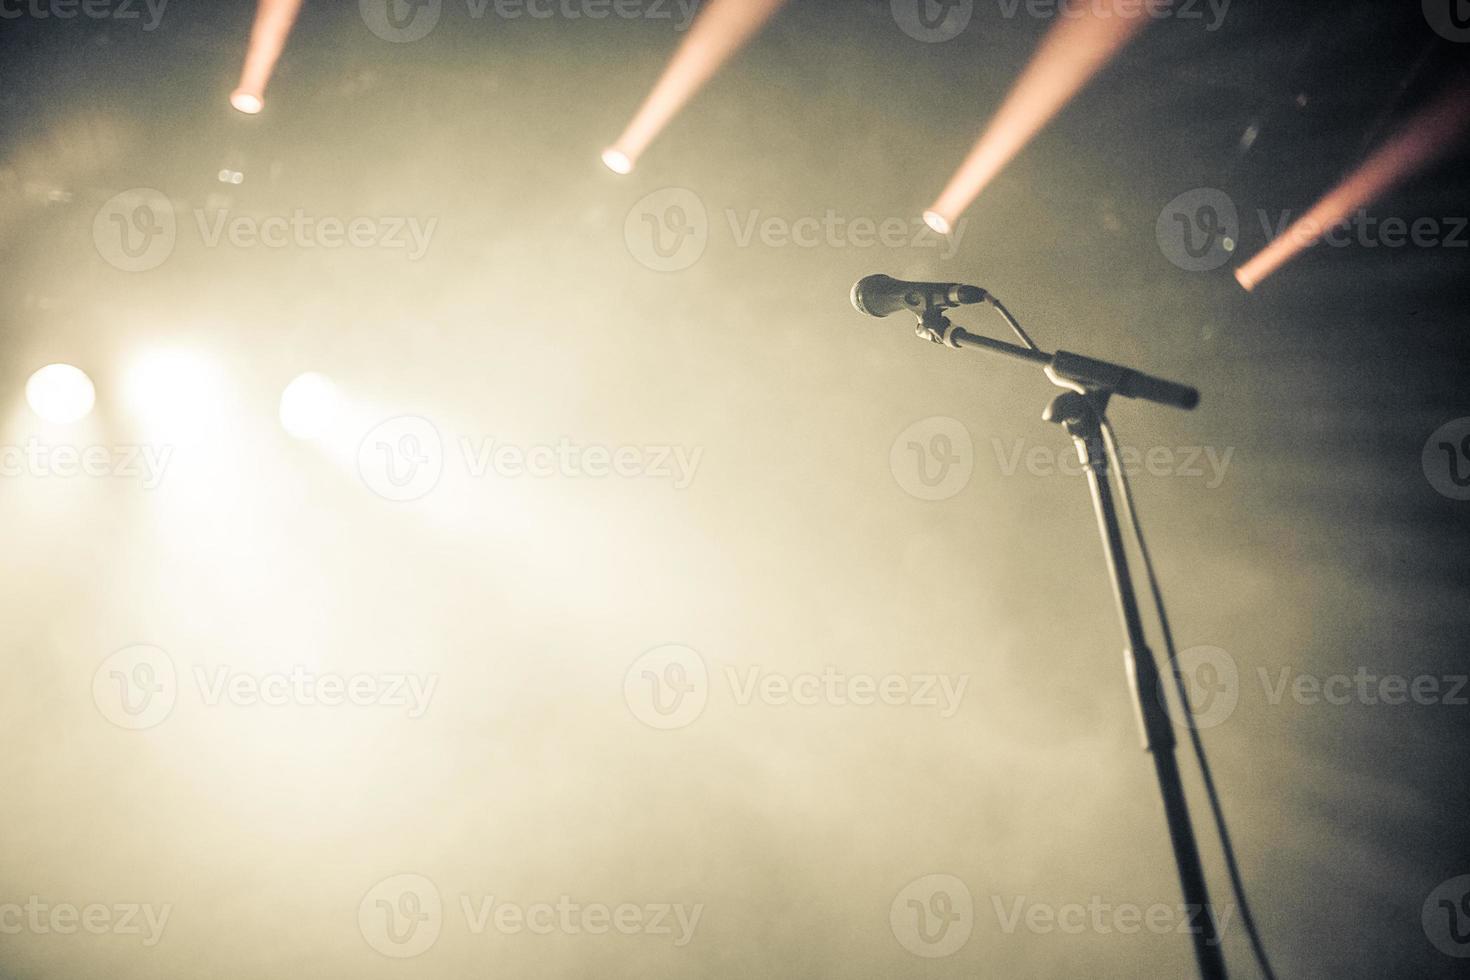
(1081, 413)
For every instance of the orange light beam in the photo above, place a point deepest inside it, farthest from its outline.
(721, 29)
(273, 22)
(1086, 37)
(1427, 134)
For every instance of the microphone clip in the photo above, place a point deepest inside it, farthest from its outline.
(936, 328)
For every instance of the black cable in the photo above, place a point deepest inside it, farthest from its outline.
(1015, 325)
(1199, 750)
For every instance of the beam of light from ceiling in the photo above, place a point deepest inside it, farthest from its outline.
(1427, 134)
(273, 22)
(1085, 37)
(720, 30)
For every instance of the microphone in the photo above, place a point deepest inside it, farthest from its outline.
(881, 295)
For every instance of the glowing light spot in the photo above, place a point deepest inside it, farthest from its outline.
(310, 405)
(247, 102)
(60, 393)
(617, 161)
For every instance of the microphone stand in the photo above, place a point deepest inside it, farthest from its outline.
(1081, 410)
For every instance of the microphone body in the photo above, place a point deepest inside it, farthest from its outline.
(881, 295)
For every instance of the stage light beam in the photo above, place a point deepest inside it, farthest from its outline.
(1084, 39)
(721, 28)
(273, 22)
(1423, 138)
(60, 393)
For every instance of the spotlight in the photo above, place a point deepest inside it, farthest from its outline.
(1074, 49)
(937, 221)
(1421, 141)
(617, 161)
(722, 28)
(247, 102)
(309, 405)
(176, 395)
(60, 393)
(273, 22)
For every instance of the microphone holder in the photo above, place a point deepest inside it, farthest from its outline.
(1081, 409)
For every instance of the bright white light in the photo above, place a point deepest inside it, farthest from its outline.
(937, 221)
(246, 102)
(617, 161)
(176, 394)
(60, 393)
(309, 405)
